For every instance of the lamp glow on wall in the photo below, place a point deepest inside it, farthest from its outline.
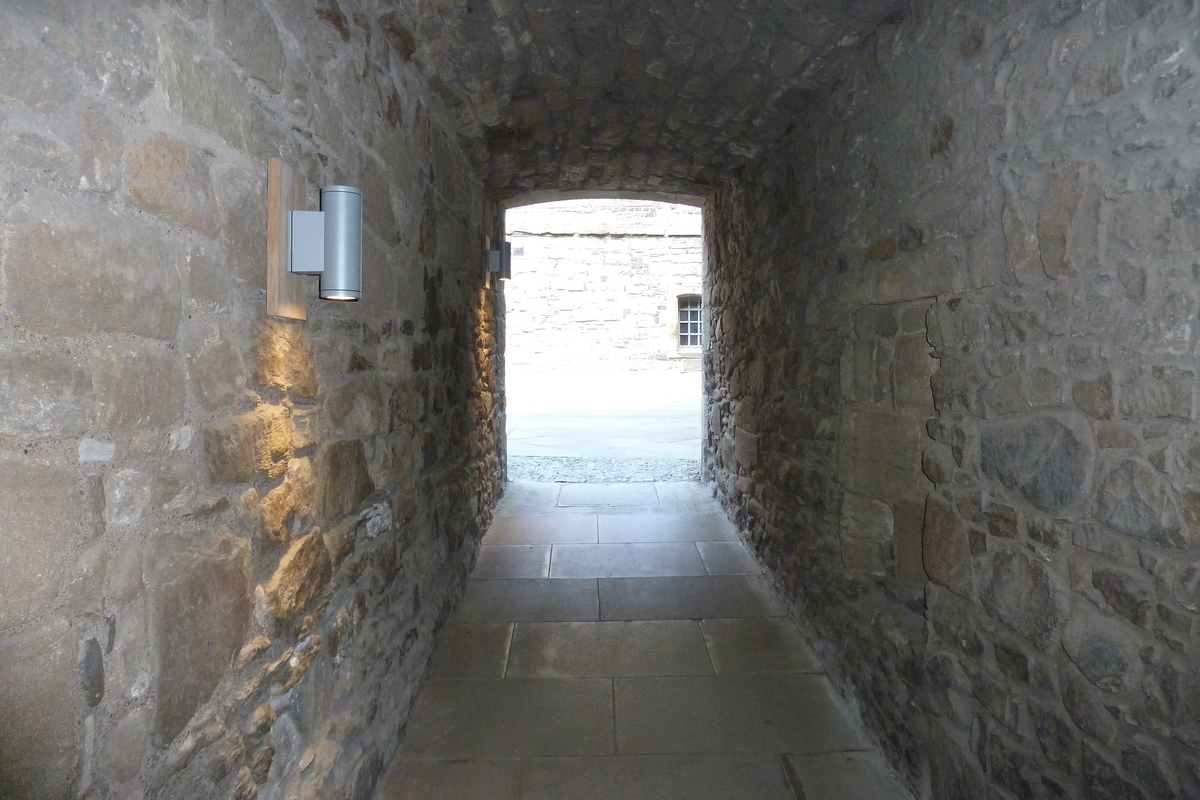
(327, 243)
(500, 261)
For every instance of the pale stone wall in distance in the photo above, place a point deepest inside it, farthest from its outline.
(596, 285)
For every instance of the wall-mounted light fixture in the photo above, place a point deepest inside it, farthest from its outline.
(500, 261)
(327, 243)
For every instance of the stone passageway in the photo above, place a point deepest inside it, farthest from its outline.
(617, 640)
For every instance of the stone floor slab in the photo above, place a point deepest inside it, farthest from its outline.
(750, 646)
(491, 779)
(664, 528)
(731, 714)
(542, 530)
(529, 600)
(471, 651)
(713, 596)
(727, 558)
(607, 494)
(608, 649)
(688, 777)
(512, 561)
(631, 560)
(843, 776)
(511, 718)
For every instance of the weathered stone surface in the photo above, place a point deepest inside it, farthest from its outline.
(100, 153)
(1135, 500)
(40, 502)
(171, 180)
(867, 533)
(302, 574)
(248, 34)
(237, 447)
(1186, 586)
(34, 74)
(1022, 594)
(200, 604)
(1128, 594)
(1104, 649)
(75, 270)
(283, 357)
(216, 369)
(1067, 225)
(91, 673)
(1040, 457)
(1158, 392)
(44, 392)
(139, 388)
(1095, 398)
(884, 456)
(37, 714)
(947, 555)
(356, 408)
(342, 479)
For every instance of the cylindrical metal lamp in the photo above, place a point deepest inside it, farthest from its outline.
(342, 276)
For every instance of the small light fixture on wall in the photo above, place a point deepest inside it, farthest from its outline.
(500, 261)
(327, 243)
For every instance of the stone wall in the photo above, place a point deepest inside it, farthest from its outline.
(597, 284)
(953, 391)
(228, 539)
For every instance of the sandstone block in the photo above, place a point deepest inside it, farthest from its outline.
(866, 535)
(1022, 594)
(1136, 500)
(100, 152)
(340, 539)
(884, 456)
(1158, 392)
(172, 180)
(200, 606)
(206, 93)
(120, 52)
(745, 449)
(341, 477)
(912, 372)
(37, 714)
(1128, 593)
(283, 357)
(215, 368)
(30, 72)
(1186, 586)
(1095, 398)
(238, 446)
(1067, 227)
(46, 392)
(41, 504)
(303, 572)
(945, 547)
(75, 270)
(356, 408)
(139, 388)
(1045, 459)
(248, 34)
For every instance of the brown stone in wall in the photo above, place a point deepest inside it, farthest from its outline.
(302, 574)
(945, 547)
(867, 534)
(342, 479)
(172, 180)
(200, 604)
(1022, 593)
(283, 357)
(46, 392)
(239, 446)
(139, 389)
(1067, 227)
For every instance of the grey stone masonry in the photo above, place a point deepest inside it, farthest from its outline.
(956, 310)
(228, 540)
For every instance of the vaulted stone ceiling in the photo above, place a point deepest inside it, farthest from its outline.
(626, 95)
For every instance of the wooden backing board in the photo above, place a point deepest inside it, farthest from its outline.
(287, 190)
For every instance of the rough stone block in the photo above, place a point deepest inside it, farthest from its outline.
(215, 368)
(119, 51)
(745, 449)
(31, 73)
(867, 532)
(1158, 392)
(1046, 458)
(41, 505)
(1023, 595)
(283, 357)
(200, 607)
(303, 572)
(1135, 500)
(206, 93)
(342, 479)
(37, 714)
(248, 34)
(1067, 227)
(945, 547)
(75, 270)
(356, 407)
(238, 446)
(929, 272)
(1104, 649)
(884, 456)
(44, 392)
(100, 152)
(139, 388)
(172, 180)
(912, 372)
(1095, 398)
